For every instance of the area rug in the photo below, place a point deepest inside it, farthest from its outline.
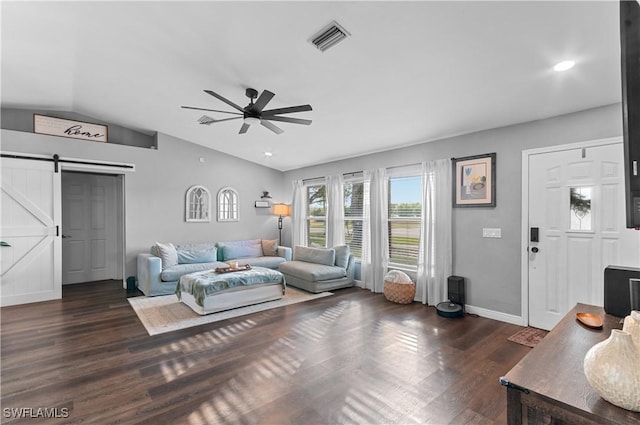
(165, 313)
(528, 336)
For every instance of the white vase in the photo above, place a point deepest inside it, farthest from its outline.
(632, 325)
(612, 368)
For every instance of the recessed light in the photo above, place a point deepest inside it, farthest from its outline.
(268, 154)
(564, 66)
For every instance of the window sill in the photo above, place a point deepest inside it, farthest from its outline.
(402, 267)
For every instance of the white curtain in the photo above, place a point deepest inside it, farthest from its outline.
(375, 249)
(435, 258)
(335, 210)
(298, 215)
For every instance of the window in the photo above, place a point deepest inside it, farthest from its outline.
(228, 205)
(405, 210)
(317, 216)
(580, 204)
(354, 200)
(198, 204)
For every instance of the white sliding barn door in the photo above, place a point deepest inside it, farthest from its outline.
(576, 200)
(31, 211)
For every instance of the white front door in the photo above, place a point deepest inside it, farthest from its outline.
(576, 201)
(89, 220)
(30, 255)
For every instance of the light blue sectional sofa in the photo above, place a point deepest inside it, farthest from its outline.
(320, 269)
(160, 270)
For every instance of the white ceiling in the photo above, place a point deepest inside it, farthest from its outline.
(411, 71)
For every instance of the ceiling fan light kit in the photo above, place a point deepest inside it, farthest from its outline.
(251, 120)
(254, 113)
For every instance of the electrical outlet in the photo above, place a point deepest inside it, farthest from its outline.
(491, 232)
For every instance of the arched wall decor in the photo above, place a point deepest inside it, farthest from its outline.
(198, 204)
(228, 205)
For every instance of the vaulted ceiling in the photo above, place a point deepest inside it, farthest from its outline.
(410, 72)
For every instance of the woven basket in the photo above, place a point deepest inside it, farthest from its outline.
(401, 293)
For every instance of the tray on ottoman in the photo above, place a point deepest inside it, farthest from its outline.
(232, 269)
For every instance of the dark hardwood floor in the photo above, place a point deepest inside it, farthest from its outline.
(352, 358)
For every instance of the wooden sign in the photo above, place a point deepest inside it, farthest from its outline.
(43, 124)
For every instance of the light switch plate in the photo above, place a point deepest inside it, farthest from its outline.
(491, 232)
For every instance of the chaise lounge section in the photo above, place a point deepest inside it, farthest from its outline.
(160, 270)
(320, 269)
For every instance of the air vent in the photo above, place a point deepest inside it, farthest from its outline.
(329, 36)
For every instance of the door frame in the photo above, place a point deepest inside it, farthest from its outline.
(115, 266)
(101, 167)
(524, 233)
(120, 208)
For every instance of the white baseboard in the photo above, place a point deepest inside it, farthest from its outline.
(482, 312)
(496, 315)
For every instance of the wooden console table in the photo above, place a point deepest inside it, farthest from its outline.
(550, 386)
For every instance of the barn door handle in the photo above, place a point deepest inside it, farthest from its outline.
(535, 234)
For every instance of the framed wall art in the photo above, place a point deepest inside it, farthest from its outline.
(474, 181)
(197, 204)
(228, 204)
(53, 126)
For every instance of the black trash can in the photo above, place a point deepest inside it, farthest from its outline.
(131, 284)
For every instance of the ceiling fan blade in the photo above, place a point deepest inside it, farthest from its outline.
(212, 110)
(262, 101)
(287, 110)
(207, 120)
(287, 119)
(225, 100)
(244, 128)
(271, 127)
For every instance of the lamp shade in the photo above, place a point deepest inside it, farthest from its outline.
(281, 209)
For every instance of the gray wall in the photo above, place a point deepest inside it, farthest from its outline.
(491, 266)
(155, 192)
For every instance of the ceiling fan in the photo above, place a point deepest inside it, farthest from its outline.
(254, 113)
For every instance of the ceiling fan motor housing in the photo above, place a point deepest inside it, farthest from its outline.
(251, 93)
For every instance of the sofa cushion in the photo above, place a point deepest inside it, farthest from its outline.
(196, 253)
(315, 255)
(342, 255)
(240, 249)
(268, 262)
(167, 253)
(312, 272)
(174, 273)
(270, 247)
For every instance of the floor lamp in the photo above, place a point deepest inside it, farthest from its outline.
(281, 210)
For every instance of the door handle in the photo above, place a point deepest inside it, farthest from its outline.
(65, 236)
(535, 249)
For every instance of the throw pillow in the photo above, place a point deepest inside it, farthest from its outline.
(270, 247)
(193, 254)
(167, 253)
(315, 255)
(241, 250)
(342, 255)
